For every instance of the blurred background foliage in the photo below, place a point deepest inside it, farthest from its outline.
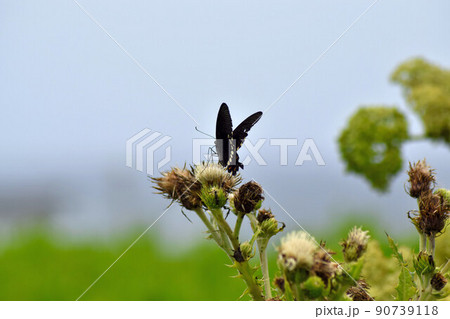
(371, 143)
(39, 264)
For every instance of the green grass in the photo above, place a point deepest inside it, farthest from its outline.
(37, 264)
(41, 266)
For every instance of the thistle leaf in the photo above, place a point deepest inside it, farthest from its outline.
(406, 288)
(397, 254)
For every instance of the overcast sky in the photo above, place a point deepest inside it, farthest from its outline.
(70, 97)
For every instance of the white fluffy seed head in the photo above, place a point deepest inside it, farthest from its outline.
(213, 174)
(358, 237)
(355, 245)
(297, 251)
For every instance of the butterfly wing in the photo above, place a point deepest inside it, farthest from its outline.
(239, 135)
(224, 133)
(241, 131)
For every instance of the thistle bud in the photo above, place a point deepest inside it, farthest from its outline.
(438, 281)
(213, 197)
(246, 250)
(267, 223)
(248, 197)
(421, 179)
(269, 227)
(355, 245)
(424, 263)
(263, 215)
(314, 287)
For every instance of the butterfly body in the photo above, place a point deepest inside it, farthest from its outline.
(229, 141)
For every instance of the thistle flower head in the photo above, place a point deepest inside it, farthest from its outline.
(267, 223)
(180, 185)
(359, 292)
(438, 281)
(248, 197)
(421, 179)
(297, 251)
(424, 263)
(213, 174)
(434, 210)
(323, 267)
(355, 244)
(434, 207)
(264, 214)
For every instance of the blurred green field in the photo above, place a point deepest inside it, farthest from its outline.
(38, 264)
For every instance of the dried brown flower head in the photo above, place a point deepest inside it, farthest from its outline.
(359, 292)
(264, 214)
(323, 267)
(433, 213)
(438, 281)
(280, 283)
(421, 179)
(180, 185)
(247, 197)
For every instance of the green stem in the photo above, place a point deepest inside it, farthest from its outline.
(423, 242)
(253, 288)
(243, 267)
(205, 220)
(222, 242)
(432, 240)
(262, 247)
(296, 292)
(426, 292)
(226, 242)
(254, 237)
(217, 213)
(237, 226)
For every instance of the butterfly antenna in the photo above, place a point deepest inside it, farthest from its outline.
(196, 128)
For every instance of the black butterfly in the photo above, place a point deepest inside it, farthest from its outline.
(228, 142)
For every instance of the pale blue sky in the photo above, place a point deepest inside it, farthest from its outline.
(70, 97)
